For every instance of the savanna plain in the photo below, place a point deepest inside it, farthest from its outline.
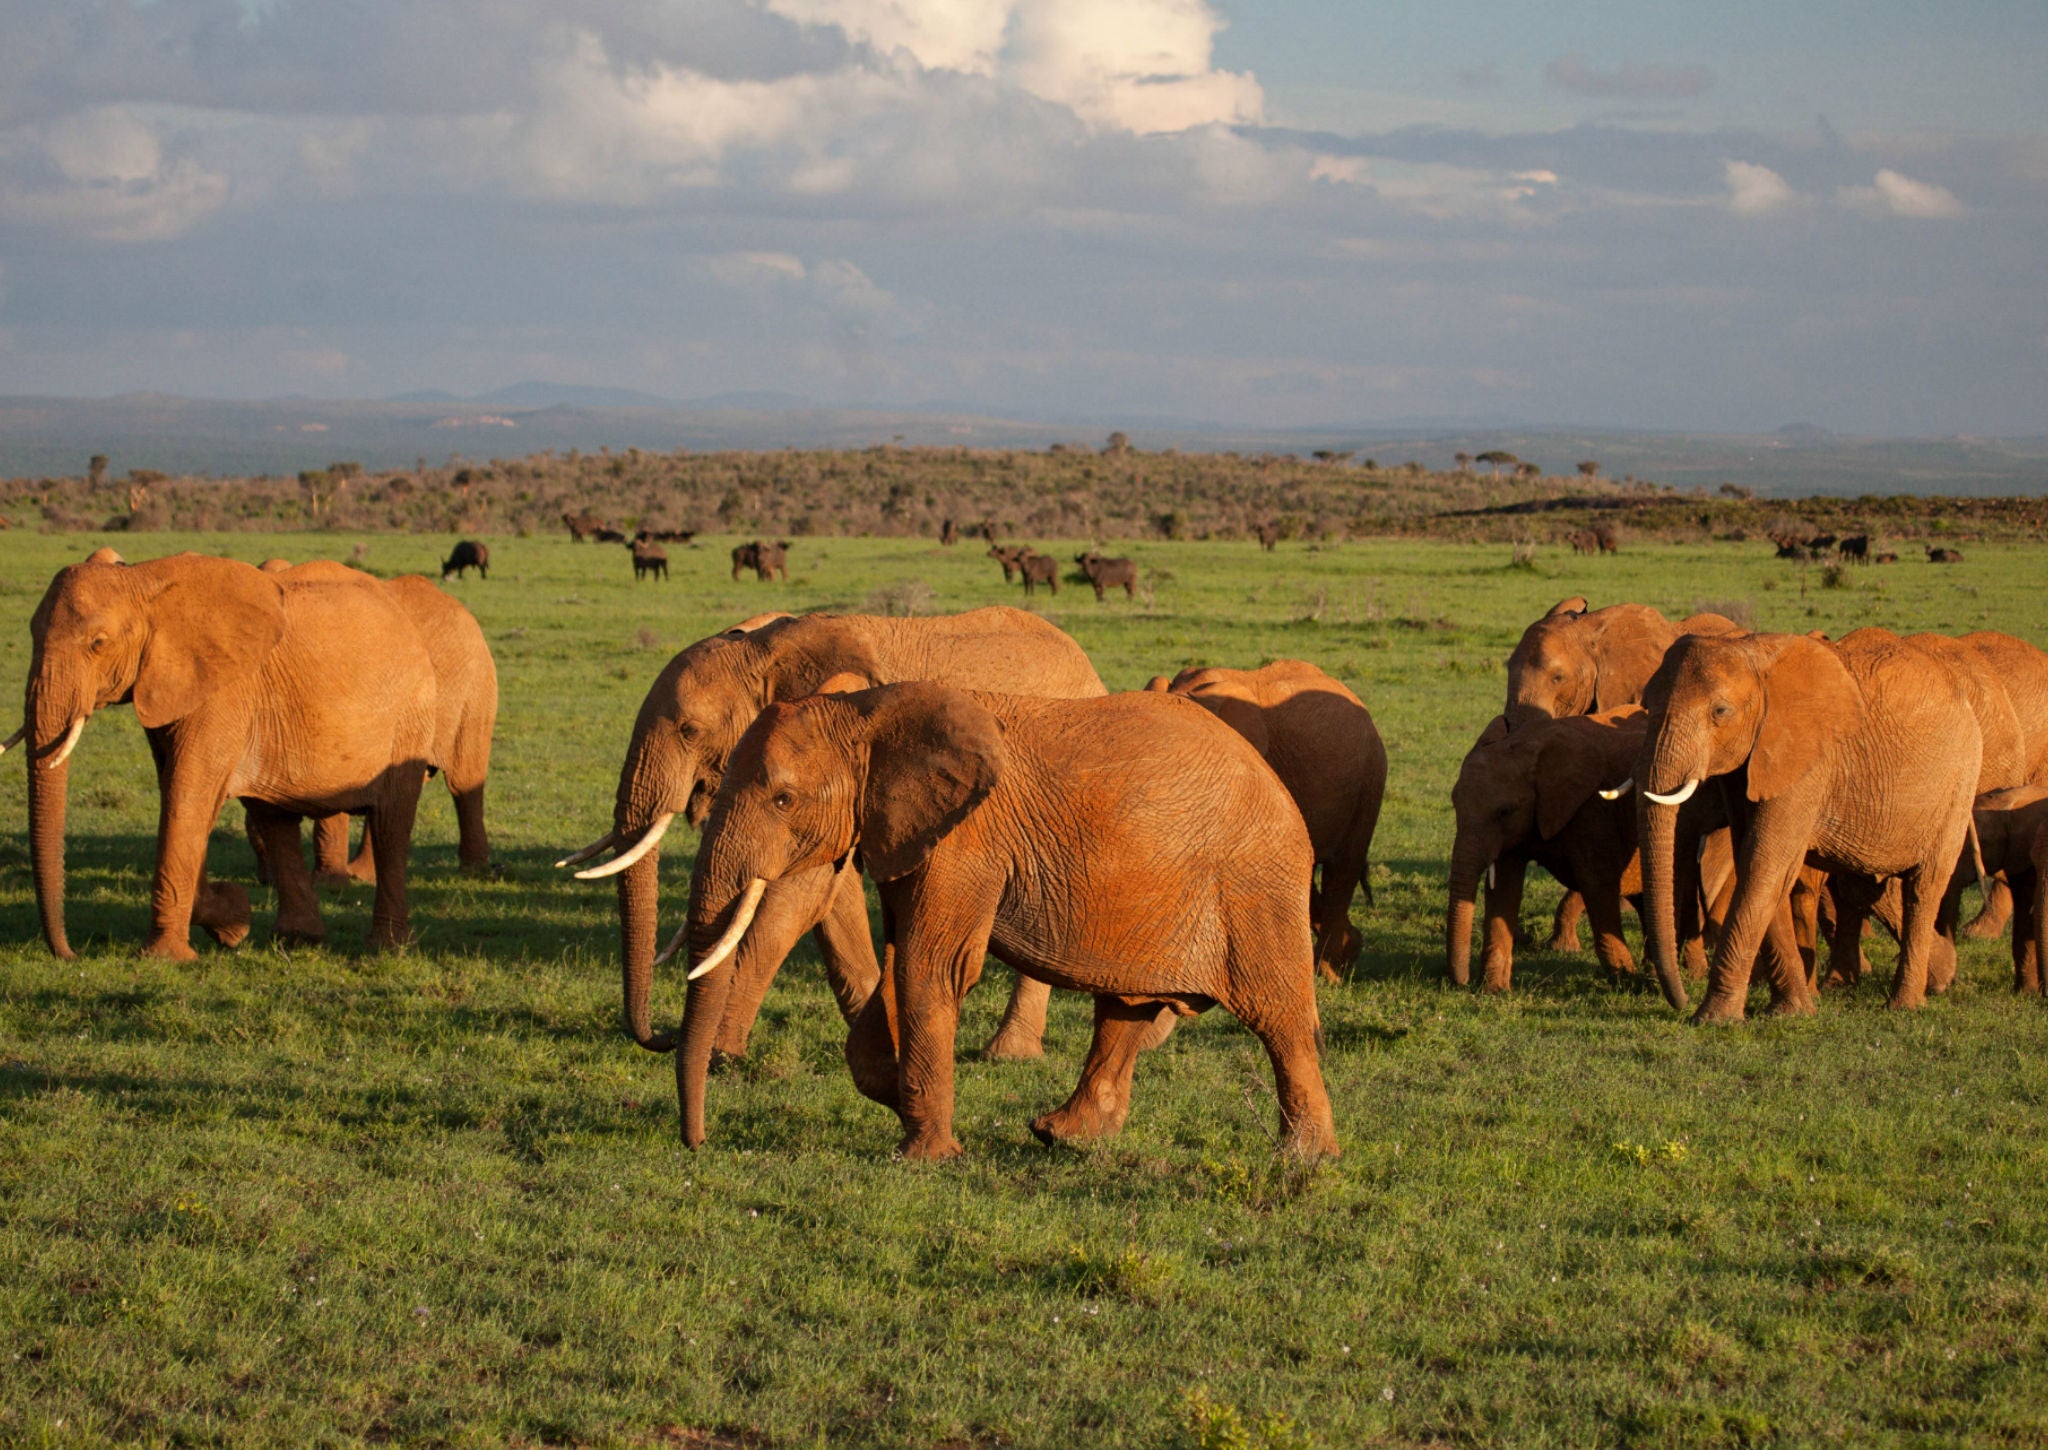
(322, 1197)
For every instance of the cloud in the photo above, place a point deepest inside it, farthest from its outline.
(1755, 190)
(102, 174)
(1572, 73)
(1896, 195)
(1139, 65)
(962, 35)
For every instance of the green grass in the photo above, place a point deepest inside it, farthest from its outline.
(323, 1198)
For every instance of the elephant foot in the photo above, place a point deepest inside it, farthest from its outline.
(334, 880)
(1013, 1044)
(1792, 1007)
(928, 1147)
(1987, 925)
(1835, 979)
(1311, 1142)
(169, 949)
(1495, 986)
(391, 939)
(1563, 941)
(1904, 1001)
(1719, 1010)
(485, 868)
(293, 936)
(1080, 1120)
(222, 912)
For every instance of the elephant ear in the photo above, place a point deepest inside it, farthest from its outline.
(1496, 731)
(213, 621)
(1573, 606)
(1810, 705)
(1158, 685)
(843, 683)
(1623, 664)
(934, 754)
(804, 653)
(1571, 766)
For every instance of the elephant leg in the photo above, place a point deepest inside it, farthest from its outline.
(1021, 1033)
(1761, 888)
(256, 848)
(473, 848)
(1102, 1099)
(1916, 946)
(1564, 926)
(363, 865)
(1603, 910)
(298, 907)
(1788, 961)
(789, 908)
(939, 952)
(1337, 940)
(331, 866)
(1503, 909)
(846, 944)
(1805, 915)
(1997, 911)
(871, 1040)
(1941, 950)
(1287, 1026)
(2028, 905)
(390, 829)
(188, 809)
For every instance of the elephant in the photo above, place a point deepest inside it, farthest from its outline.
(465, 717)
(1534, 794)
(1860, 756)
(695, 713)
(218, 658)
(766, 560)
(1575, 661)
(465, 556)
(1108, 573)
(1320, 740)
(2012, 837)
(1132, 847)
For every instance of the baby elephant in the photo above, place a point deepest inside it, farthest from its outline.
(1108, 573)
(467, 555)
(1129, 846)
(1320, 740)
(2012, 832)
(1534, 794)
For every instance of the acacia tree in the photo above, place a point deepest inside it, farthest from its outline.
(1496, 458)
(1463, 460)
(1590, 468)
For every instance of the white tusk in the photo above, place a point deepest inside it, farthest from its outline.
(70, 743)
(620, 862)
(13, 740)
(673, 943)
(1677, 798)
(574, 857)
(1619, 791)
(1489, 875)
(741, 920)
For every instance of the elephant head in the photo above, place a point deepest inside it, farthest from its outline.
(694, 715)
(1773, 707)
(1519, 787)
(169, 635)
(1574, 662)
(888, 772)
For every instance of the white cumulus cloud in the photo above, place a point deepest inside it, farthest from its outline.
(1894, 194)
(105, 176)
(1754, 190)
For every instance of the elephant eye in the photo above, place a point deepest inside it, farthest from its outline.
(99, 642)
(686, 730)
(1722, 710)
(784, 800)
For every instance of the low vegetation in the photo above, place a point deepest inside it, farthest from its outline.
(324, 1198)
(1066, 492)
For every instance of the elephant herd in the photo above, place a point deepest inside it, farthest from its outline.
(1753, 791)
(1194, 844)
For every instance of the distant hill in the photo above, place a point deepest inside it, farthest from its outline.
(55, 436)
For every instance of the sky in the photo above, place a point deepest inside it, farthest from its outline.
(1266, 213)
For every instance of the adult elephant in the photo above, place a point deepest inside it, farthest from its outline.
(1320, 740)
(299, 694)
(1859, 756)
(466, 714)
(695, 713)
(1576, 661)
(1131, 847)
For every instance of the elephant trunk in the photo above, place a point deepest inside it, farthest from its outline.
(1658, 831)
(723, 900)
(1467, 864)
(52, 731)
(703, 1011)
(639, 901)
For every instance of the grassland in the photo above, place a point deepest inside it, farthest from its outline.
(323, 1198)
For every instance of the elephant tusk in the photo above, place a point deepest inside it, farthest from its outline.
(70, 743)
(741, 920)
(1676, 798)
(674, 943)
(577, 857)
(1489, 875)
(620, 862)
(13, 740)
(1619, 791)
